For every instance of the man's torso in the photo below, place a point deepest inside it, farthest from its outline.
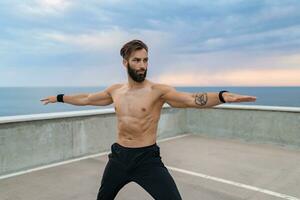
(138, 113)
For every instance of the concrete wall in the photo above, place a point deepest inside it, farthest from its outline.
(34, 140)
(255, 124)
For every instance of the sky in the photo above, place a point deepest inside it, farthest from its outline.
(191, 42)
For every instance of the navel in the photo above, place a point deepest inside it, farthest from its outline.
(144, 109)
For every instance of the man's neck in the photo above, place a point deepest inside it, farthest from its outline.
(135, 85)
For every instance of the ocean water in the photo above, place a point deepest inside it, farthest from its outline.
(26, 100)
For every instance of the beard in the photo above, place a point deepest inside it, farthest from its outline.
(135, 76)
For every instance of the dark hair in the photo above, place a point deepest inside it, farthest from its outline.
(132, 46)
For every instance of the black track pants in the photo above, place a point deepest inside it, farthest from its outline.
(142, 165)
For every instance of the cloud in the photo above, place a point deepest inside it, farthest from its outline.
(45, 7)
(201, 37)
(271, 40)
(63, 76)
(96, 40)
(245, 77)
(109, 40)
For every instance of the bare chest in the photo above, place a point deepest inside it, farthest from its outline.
(137, 103)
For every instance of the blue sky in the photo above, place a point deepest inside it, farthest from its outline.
(191, 43)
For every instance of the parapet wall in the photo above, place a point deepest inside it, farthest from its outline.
(255, 124)
(30, 141)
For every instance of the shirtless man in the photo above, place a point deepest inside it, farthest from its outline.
(135, 156)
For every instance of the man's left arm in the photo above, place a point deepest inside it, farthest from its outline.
(200, 99)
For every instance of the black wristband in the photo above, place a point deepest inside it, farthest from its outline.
(60, 98)
(221, 96)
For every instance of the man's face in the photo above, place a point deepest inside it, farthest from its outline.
(137, 65)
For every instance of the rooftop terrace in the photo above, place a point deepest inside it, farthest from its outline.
(224, 152)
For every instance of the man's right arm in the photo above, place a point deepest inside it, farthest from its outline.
(102, 98)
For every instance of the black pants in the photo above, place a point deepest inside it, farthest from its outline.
(142, 165)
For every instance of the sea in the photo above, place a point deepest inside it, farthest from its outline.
(26, 100)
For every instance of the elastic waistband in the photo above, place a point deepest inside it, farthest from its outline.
(134, 148)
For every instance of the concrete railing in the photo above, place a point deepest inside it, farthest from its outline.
(30, 141)
(257, 124)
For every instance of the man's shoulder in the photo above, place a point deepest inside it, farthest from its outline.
(163, 88)
(113, 87)
(117, 85)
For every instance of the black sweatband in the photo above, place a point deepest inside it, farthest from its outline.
(60, 98)
(221, 96)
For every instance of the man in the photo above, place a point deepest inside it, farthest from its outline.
(135, 156)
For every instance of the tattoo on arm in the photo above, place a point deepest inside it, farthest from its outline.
(201, 99)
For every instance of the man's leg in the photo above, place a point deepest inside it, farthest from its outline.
(157, 181)
(113, 179)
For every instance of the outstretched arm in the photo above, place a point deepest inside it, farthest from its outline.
(199, 99)
(102, 98)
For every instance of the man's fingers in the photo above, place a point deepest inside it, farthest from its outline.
(241, 98)
(251, 98)
(247, 98)
(45, 101)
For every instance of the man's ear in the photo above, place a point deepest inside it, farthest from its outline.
(125, 62)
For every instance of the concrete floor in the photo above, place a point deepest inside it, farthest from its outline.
(262, 166)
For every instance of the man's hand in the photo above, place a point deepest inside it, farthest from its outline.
(50, 99)
(231, 97)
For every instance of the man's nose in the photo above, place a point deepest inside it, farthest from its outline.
(142, 66)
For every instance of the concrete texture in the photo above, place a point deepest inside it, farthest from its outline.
(31, 143)
(255, 124)
(261, 165)
(36, 140)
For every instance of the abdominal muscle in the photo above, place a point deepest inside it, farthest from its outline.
(135, 132)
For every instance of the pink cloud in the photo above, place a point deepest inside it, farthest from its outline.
(245, 77)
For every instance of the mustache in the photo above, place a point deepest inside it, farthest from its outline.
(137, 75)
